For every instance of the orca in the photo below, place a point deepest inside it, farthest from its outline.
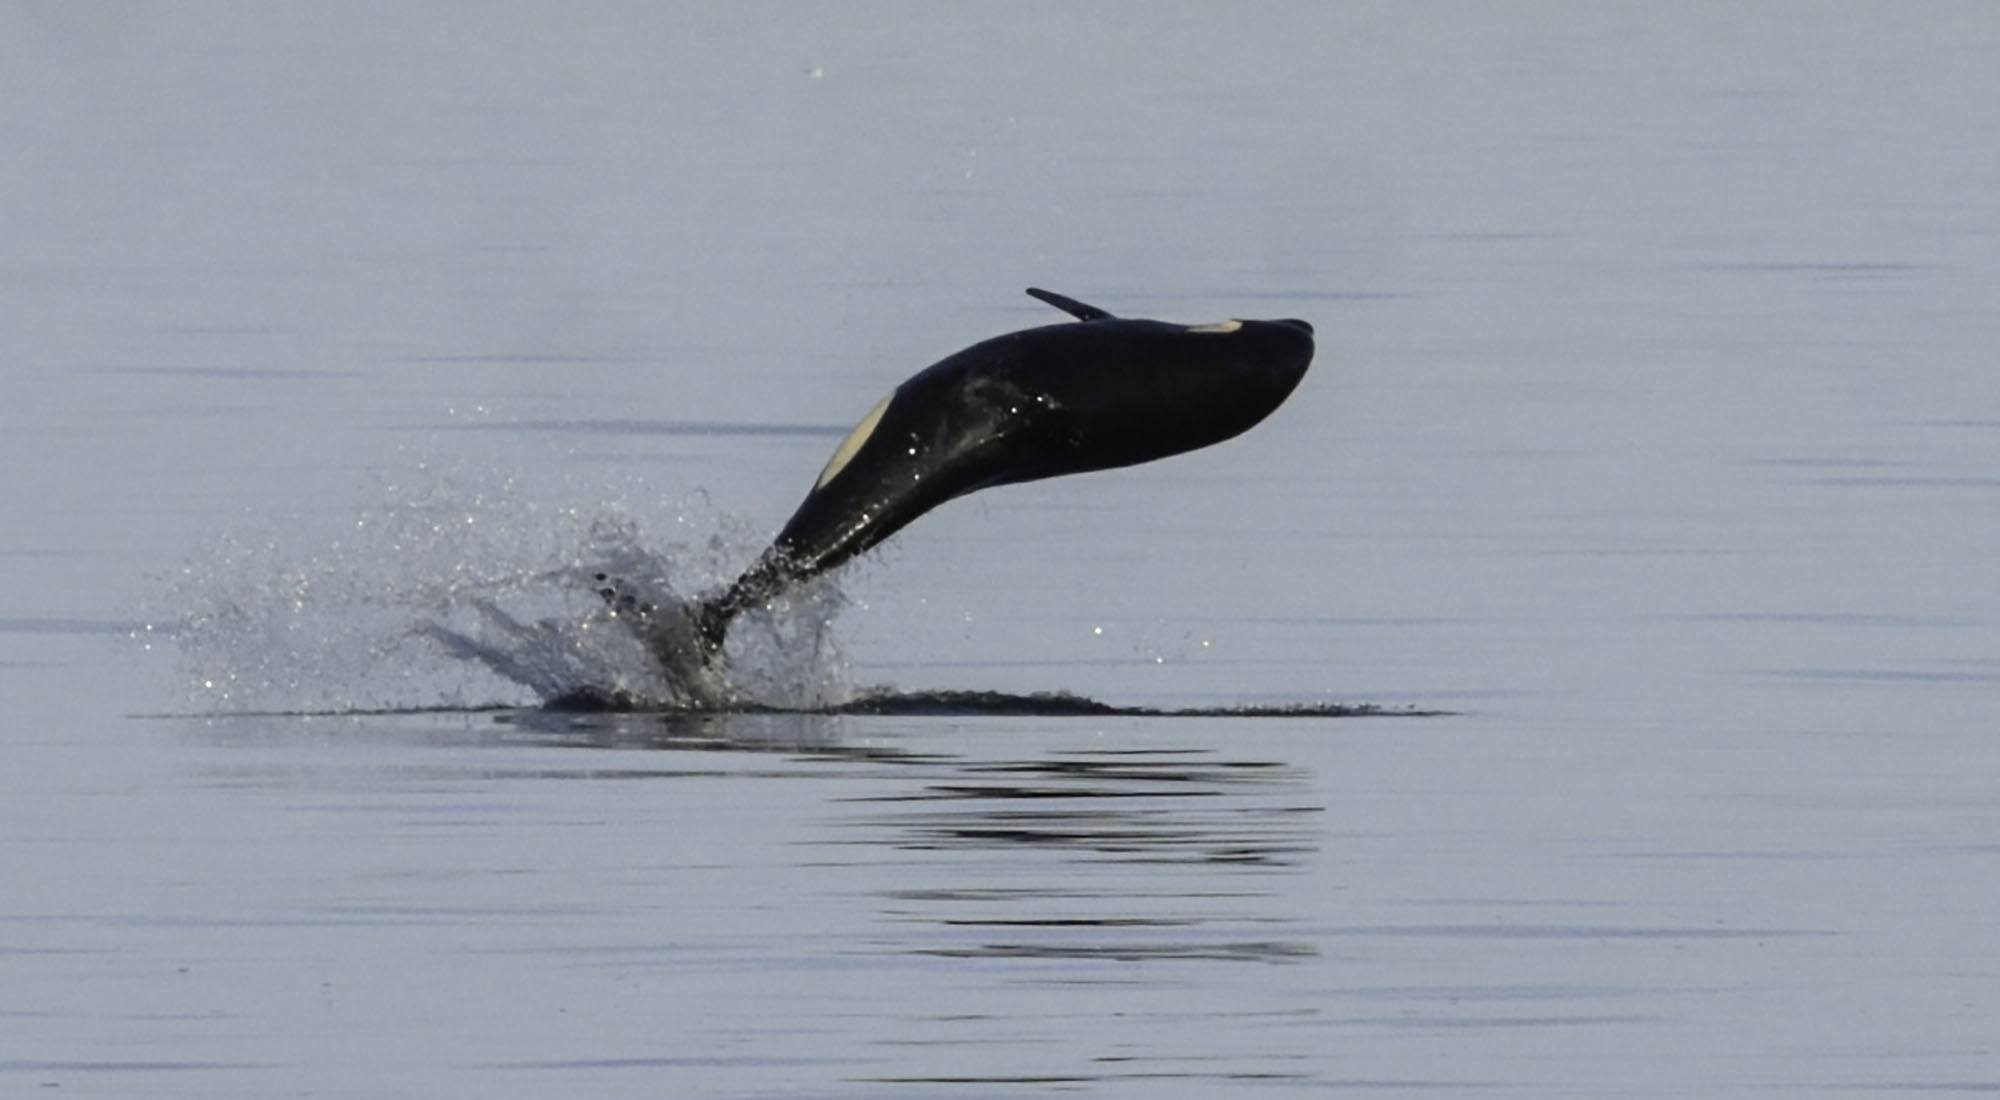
(1093, 394)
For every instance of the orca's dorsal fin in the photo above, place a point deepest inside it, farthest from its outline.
(1068, 305)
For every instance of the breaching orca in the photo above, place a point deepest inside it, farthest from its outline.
(1061, 399)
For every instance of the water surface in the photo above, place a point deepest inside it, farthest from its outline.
(1653, 435)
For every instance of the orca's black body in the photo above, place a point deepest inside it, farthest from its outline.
(1062, 399)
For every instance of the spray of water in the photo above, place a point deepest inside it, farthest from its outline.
(454, 592)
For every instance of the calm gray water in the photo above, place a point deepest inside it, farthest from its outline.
(1655, 433)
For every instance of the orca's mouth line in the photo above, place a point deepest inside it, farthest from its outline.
(885, 704)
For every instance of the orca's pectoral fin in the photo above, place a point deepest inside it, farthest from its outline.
(1069, 305)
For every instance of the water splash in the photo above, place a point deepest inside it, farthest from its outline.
(449, 594)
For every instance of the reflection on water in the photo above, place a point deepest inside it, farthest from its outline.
(1119, 855)
(986, 857)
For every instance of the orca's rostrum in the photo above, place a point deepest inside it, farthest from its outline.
(1060, 399)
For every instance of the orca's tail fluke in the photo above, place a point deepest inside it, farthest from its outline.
(1079, 310)
(711, 625)
(675, 630)
(712, 615)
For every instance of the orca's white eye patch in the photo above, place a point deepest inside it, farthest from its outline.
(844, 453)
(1218, 327)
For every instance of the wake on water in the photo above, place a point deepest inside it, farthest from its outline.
(447, 596)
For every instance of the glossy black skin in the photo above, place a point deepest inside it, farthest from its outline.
(1064, 399)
